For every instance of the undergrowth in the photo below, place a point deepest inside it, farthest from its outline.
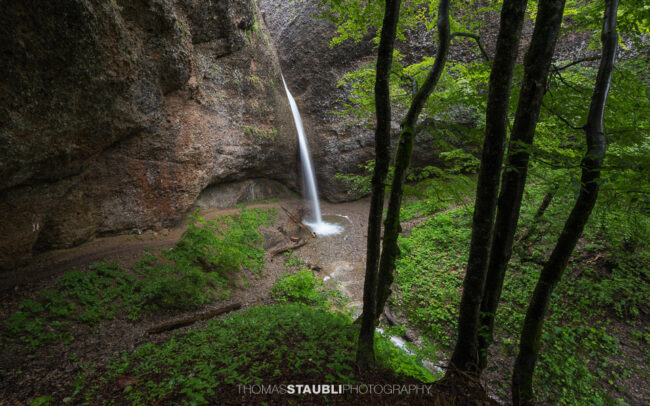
(264, 344)
(581, 361)
(196, 271)
(303, 287)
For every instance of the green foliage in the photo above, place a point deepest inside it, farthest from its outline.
(633, 19)
(360, 184)
(293, 261)
(356, 18)
(42, 401)
(459, 161)
(193, 273)
(293, 341)
(433, 195)
(225, 244)
(581, 356)
(429, 273)
(399, 361)
(264, 133)
(429, 189)
(303, 287)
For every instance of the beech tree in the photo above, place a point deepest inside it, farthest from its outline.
(365, 351)
(465, 355)
(377, 297)
(522, 379)
(536, 67)
(403, 159)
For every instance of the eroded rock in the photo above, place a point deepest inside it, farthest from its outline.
(116, 115)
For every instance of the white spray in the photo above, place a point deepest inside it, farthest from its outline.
(316, 223)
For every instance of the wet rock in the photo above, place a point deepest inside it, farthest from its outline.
(116, 115)
(313, 70)
(230, 194)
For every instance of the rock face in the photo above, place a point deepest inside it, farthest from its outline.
(225, 195)
(116, 115)
(312, 70)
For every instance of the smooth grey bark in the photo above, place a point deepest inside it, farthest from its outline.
(392, 227)
(465, 356)
(529, 344)
(536, 66)
(365, 349)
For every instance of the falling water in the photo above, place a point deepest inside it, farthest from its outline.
(316, 223)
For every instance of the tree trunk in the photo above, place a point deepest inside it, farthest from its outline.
(465, 356)
(403, 160)
(537, 64)
(522, 379)
(365, 350)
(522, 241)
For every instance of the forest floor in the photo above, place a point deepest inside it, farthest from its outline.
(30, 373)
(54, 371)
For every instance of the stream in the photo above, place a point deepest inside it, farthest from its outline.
(342, 258)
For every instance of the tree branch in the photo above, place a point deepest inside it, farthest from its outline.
(576, 62)
(564, 120)
(476, 38)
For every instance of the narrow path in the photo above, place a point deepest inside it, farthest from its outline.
(126, 248)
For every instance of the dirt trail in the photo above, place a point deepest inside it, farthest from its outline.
(27, 374)
(125, 248)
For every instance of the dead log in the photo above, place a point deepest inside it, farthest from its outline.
(393, 322)
(389, 317)
(286, 248)
(174, 324)
(297, 221)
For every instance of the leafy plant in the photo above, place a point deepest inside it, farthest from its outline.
(303, 287)
(193, 273)
(290, 341)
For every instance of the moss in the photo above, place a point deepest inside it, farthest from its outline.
(268, 134)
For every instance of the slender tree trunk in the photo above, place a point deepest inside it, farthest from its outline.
(465, 355)
(522, 379)
(537, 64)
(365, 350)
(403, 159)
(522, 242)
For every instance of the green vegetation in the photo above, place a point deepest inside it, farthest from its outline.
(583, 360)
(430, 189)
(576, 352)
(292, 261)
(303, 287)
(268, 134)
(261, 345)
(193, 273)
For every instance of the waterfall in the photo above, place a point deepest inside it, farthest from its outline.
(316, 223)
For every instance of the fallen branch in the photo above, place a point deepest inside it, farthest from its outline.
(297, 221)
(174, 324)
(393, 322)
(389, 317)
(286, 248)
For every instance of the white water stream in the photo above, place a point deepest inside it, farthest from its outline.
(316, 222)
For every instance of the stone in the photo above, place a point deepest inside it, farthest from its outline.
(117, 115)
